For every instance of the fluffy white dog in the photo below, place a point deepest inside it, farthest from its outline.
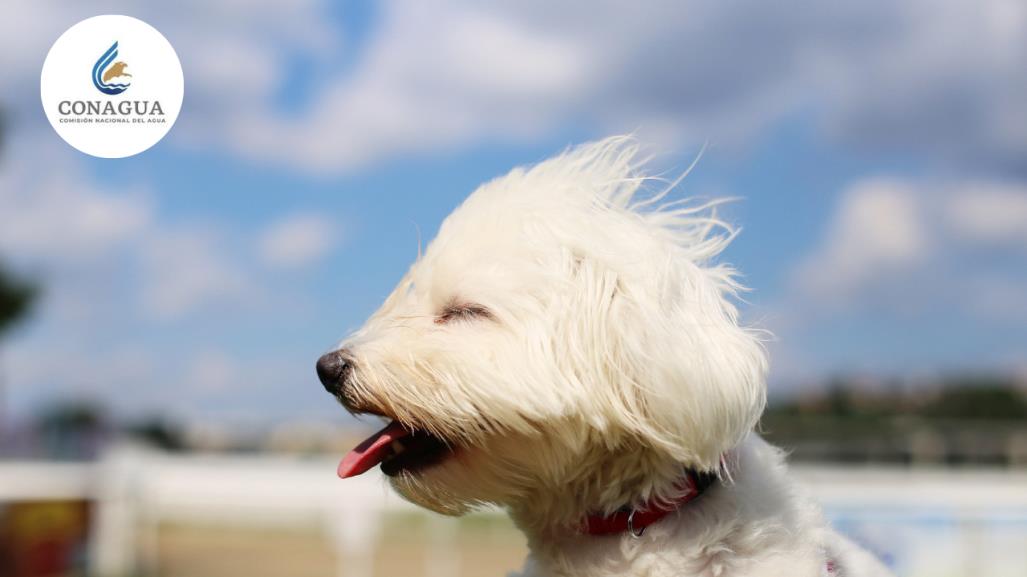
(567, 349)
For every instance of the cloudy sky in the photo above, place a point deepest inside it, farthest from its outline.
(879, 149)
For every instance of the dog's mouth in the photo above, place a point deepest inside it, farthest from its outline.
(398, 449)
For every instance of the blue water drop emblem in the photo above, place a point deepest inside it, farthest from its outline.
(109, 76)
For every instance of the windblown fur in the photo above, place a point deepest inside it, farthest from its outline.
(604, 358)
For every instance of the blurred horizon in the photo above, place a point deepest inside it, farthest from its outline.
(878, 151)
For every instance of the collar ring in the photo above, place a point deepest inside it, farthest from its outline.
(635, 533)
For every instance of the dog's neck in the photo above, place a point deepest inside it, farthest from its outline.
(634, 519)
(571, 547)
(747, 526)
(600, 507)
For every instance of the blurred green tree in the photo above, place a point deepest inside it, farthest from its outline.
(158, 432)
(16, 297)
(983, 397)
(72, 429)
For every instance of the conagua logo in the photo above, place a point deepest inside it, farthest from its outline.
(106, 69)
(117, 54)
(110, 77)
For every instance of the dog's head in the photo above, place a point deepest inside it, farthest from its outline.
(562, 344)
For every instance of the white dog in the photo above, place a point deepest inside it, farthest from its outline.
(567, 349)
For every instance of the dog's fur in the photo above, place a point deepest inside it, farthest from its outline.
(573, 339)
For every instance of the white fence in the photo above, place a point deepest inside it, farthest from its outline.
(929, 523)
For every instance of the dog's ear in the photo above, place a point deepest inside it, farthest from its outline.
(684, 377)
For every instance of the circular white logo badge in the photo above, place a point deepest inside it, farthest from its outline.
(112, 86)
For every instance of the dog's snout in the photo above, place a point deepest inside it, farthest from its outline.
(333, 369)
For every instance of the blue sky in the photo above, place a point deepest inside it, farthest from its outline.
(878, 151)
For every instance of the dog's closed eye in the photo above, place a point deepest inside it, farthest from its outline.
(462, 311)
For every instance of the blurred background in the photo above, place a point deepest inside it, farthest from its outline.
(160, 315)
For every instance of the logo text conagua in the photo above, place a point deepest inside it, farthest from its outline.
(108, 111)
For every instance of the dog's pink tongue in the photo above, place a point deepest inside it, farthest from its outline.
(372, 451)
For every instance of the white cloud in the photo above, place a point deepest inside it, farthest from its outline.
(298, 240)
(185, 270)
(62, 220)
(920, 244)
(943, 79)
(86, 240)
(908, 275)
(50, 211)
(940, 79)
(469, 74)
(993, 214)
(876, 233)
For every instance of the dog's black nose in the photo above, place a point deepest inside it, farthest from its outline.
(334, 369)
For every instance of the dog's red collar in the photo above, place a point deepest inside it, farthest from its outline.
(635, 521)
